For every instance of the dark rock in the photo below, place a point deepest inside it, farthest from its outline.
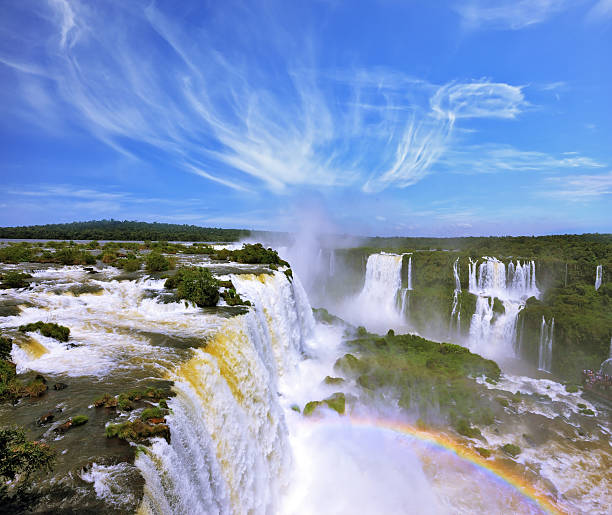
(60, 386)
(62, 428)
(45, 419)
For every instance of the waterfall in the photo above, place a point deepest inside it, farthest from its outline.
(492, 332)
(455, 318)
(409, 286)
(472, 283)
(332, 262)
(546, 344)
(383, 282)
(598, 276)
(229, 450)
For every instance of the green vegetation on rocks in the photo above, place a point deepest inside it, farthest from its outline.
(157, 262)
(79, 420)
(511, 449)
(49, 329)
(137, 431)
(336, 402)
(153, 413)
(14, 279)
(233, 299)
(20, 456)
(430, 378)
(197, 285)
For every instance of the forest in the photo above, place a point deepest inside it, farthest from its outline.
(123, 230)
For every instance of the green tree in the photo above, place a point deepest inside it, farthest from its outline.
(198, 285)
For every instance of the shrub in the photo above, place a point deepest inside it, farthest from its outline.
(6, 344)
(485, 453)
(154, 412)
(571, 388)
(157, 262)
(464, 428)
(52, 330)
(131, 264)
(511, 449)
(19, 456)
(14, 279)
(198, 285)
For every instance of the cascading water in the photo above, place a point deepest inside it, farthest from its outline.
(379, 303)
(546, 345)
(494, 332)
(454, 327)
(229, 451)
(598, 277)
(404, 292)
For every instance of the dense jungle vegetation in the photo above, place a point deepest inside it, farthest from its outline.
(123, 230)
(565, 271)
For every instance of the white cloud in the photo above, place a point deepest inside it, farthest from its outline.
(483, 99)
(579, 188)
(508, 14)
(602, 10)
(495, 158)
(198, 110)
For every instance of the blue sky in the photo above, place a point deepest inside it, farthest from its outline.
(373, 117)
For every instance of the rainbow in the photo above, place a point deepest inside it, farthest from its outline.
(495, 470)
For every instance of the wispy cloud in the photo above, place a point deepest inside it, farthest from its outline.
(508, 14)
(496, 158)
(579, 188)
(199, 109)
(602, 10)
(482, 99)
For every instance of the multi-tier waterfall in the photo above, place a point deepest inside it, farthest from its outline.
(598, 276)
(229, 450)
(494, 331)
(546, 345)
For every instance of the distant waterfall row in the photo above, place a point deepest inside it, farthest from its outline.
(229, 450)
(516, 282)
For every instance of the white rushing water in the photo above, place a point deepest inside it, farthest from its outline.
(454, 327)
(379, 306)
(598, 277)
(545, 347)
(229, 450)
(494, 333)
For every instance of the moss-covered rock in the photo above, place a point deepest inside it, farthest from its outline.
(485, 453)
(511, 449)
(310, 407)
(51, 330)
(79, 420)
(14, 279)
(337, 402)
(137, 431)
(333, 380)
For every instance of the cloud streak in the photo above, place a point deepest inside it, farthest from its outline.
(508, 14)
(207, 110)
(498, 158)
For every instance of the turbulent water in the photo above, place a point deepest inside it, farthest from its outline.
(493, 333)
(237, 443)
